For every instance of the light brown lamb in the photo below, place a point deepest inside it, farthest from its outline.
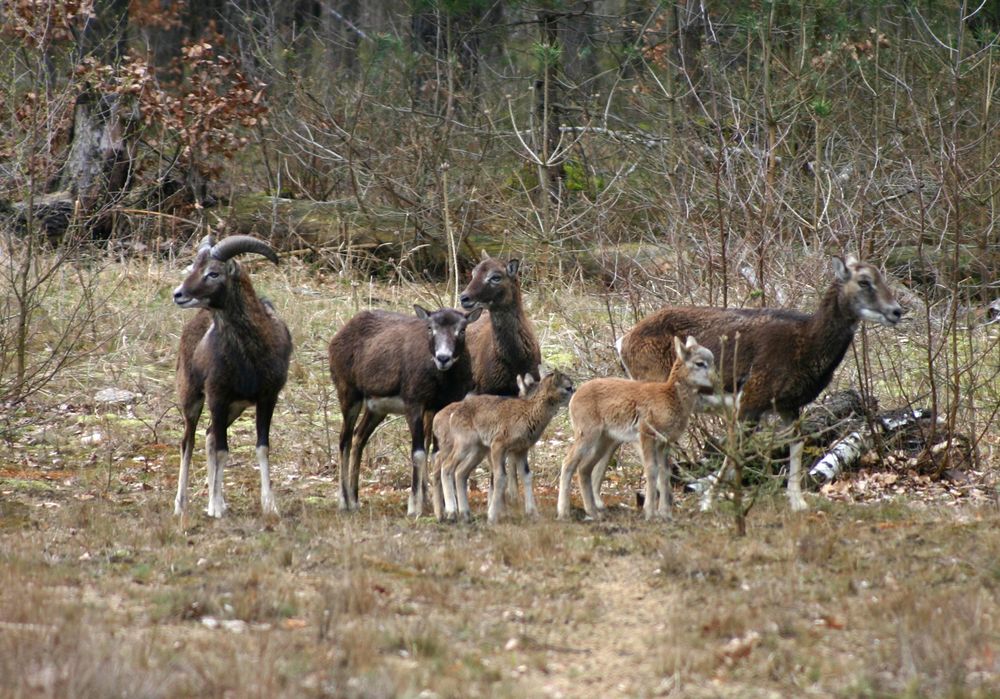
(651, 414)
(503, 427)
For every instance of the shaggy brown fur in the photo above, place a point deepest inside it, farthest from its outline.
(780, 359)
(652, 414)
(392, 363)
(502, 344)
(505, 428)
(783, 359)
(233, 353)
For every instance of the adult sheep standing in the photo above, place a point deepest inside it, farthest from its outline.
(385, 363)
(502, 344)
(234, 353)
(780, 360)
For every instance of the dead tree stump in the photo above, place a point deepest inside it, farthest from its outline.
(95, 176)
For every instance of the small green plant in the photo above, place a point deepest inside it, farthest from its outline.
(821, 107)
(546, 54)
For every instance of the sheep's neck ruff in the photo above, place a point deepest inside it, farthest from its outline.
(243, 324)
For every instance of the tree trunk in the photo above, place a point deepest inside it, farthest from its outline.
(548, 105)
(95, 176)
(98, 167)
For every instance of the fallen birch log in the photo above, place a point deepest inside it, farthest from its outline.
(821, 424)
(848, 450)
(837, 424)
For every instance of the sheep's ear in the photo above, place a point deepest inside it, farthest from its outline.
(473, 316)
(840, 268)
(512, 268)
(679, 348)
(422, 313)
(483, 255)
(543, 371)
(524, 383)
(691, 343)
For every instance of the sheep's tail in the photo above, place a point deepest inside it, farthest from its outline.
(618, 352)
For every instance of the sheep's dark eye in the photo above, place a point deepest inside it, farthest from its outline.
(495, 279)
(865, 283)
(212, 275)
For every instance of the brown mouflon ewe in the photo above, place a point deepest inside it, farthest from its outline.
(779, 360)
(234, 353)
(502, 344)
(503, 427)
(390, 363)
(651, 414)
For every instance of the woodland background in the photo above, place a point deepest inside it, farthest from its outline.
(631, 153)
(663, 150)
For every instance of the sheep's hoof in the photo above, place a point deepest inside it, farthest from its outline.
(465, 517)
(414, 506)
(348, 506)
(179, 508)
(269, 507)
(797, 503)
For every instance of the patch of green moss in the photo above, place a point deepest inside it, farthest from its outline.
(558, 359)
(23, 485)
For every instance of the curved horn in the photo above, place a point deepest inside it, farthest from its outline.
(239, 244)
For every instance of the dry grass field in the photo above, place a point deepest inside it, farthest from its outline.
(887, 587)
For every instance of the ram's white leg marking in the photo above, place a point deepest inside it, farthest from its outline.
(268, 505)
(415, 503)
(181, 501)
(217, 461)
(795, 499)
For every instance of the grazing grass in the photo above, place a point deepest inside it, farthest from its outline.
(112, 596)
(104, 593)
